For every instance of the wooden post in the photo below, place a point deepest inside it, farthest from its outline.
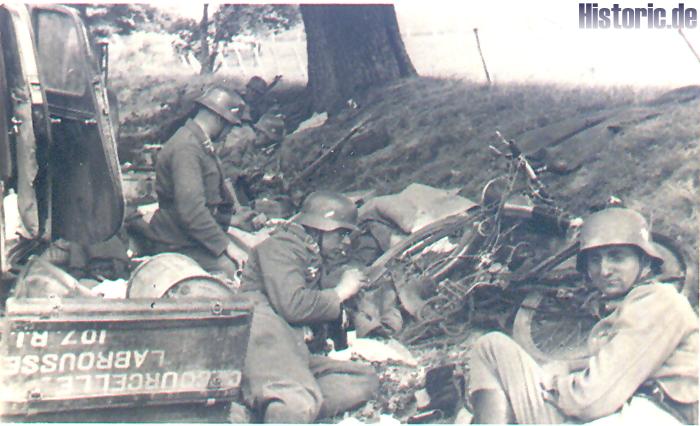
(4, 267)
(481, 54)
(680, 31)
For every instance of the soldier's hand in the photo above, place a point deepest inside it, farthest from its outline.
(236, 254)
(350, 283)
(259, 221)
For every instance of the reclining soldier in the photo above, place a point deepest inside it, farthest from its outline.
(195, 201)
(283, 381)
(645, 343)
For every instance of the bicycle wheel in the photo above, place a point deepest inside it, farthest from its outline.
(678, 267)
(551, 328)
(411, 261)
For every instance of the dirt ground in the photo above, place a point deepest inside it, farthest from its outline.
(638, 145)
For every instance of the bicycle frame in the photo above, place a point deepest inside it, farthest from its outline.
(483, 254)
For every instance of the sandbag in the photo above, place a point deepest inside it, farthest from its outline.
(416, 206)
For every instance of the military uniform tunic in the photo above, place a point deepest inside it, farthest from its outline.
(281, 377)
(193, 211)
(650, 338)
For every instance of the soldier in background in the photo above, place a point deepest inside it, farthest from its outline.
(258, 98)
(249, 152)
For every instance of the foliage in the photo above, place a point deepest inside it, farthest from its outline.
(123, 19)
(210, 38)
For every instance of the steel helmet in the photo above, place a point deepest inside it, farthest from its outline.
(227, 105)
(40, 278)
(256, 84)
(616, 226)
(272, 125)
(328, 211)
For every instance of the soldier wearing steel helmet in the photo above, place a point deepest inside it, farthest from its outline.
(248, 153)
(645, 343)
(258, 98)
(283, 381)
(195, 201)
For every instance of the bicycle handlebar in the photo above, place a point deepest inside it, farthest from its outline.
(517, 154)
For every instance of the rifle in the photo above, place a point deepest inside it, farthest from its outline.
(311, 168)
(273, 83)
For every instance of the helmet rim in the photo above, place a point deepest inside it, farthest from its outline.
(616, 226)
(215, 97)
(328, 211)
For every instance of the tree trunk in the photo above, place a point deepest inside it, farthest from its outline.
(206, 59)
(350, 48)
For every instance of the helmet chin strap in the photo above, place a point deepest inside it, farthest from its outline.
(314, 233)
(644, 271)
(320, 239)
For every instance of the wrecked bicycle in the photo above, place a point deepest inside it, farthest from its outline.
(508, 263)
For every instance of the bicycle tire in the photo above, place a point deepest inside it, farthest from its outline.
(427, 235)
(551, 335)
(548, 336)
(678, 264)
(411, 265)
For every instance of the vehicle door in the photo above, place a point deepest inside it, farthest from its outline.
(25, 136)
(86, 190)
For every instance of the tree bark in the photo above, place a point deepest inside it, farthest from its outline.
(206, 58)
(351, 48)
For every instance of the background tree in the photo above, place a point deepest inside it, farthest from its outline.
(350, 48)
(208, 40)
(104, 20)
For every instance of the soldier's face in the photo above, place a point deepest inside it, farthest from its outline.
(335, 244)
(219, 127)
(613, 269)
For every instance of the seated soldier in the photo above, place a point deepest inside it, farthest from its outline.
(195, 201)
(283, 381)
(645, 343)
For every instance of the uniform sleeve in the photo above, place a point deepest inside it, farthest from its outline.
(648, 329)
(190, 202)
(283, 268)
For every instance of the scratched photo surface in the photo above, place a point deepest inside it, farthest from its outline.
(164, 259)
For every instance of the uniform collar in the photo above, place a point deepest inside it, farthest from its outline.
(607, 306)
(299, 232)
(203, 139)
